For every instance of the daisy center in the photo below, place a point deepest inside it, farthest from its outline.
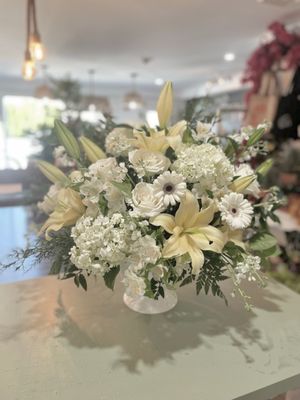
(168, 188)
(234, 210)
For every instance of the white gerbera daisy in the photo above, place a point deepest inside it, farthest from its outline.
(170, 187)
(236, 211)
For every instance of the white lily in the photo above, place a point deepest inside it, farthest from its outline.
(191, 232)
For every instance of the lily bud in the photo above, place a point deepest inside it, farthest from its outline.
(165, 104)
(51, 172)
(67, 139)
(264, 168)
(92, 151)
(241, 184)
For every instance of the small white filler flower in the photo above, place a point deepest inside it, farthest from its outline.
(170, 187)
(236, 211)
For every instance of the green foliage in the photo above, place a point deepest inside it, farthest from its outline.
(262, 241)
(124, 187)
(212, 272)
(56, 249)
(110, 277)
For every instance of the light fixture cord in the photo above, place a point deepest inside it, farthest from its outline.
(28, 25)
(35, 27)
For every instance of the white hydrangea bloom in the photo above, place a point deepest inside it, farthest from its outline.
(49, 201)
(246, 170)
(144, 202)
(236, 211)
(248, 268)
(134, 284)
(148, 162)
(206, 165)
(119, 141)
(102, 243)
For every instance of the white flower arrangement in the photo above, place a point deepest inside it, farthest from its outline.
(166, 207)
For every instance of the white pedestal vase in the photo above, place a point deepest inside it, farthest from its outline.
(145, 305)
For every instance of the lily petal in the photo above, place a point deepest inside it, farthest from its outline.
(187, 211)
(206, 215)
(176, 246)
(167, 221)
(177, 129)
(197, 257)
(215, 237)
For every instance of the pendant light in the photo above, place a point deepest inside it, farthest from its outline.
(36, 46)
(133, 100)
(28, 68)
(95, 103)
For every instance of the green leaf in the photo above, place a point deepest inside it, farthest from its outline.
(56, 266)
(161, 291)
(103, 205)
(231, 147)
(110, 277)
(262, 242)
(82, 281)
(124, 187)
(272, 252)
(67, 139)
(187, 136)
(76, 280)
(187, 280)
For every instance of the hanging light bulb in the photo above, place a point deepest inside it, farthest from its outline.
(35, 43)
(133, 100)
(36, 46)
(28, 68)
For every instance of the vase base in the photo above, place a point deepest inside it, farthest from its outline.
(145, 305)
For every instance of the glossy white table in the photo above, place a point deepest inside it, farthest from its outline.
(60, 343)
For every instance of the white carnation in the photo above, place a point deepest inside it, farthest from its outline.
(144, 251)
(144, 201)
(107, 170)
(50, 199)
(119, 141)
(206, 165)
(203, 131)
(148, 162)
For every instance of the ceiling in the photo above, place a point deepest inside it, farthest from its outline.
(186, 38)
